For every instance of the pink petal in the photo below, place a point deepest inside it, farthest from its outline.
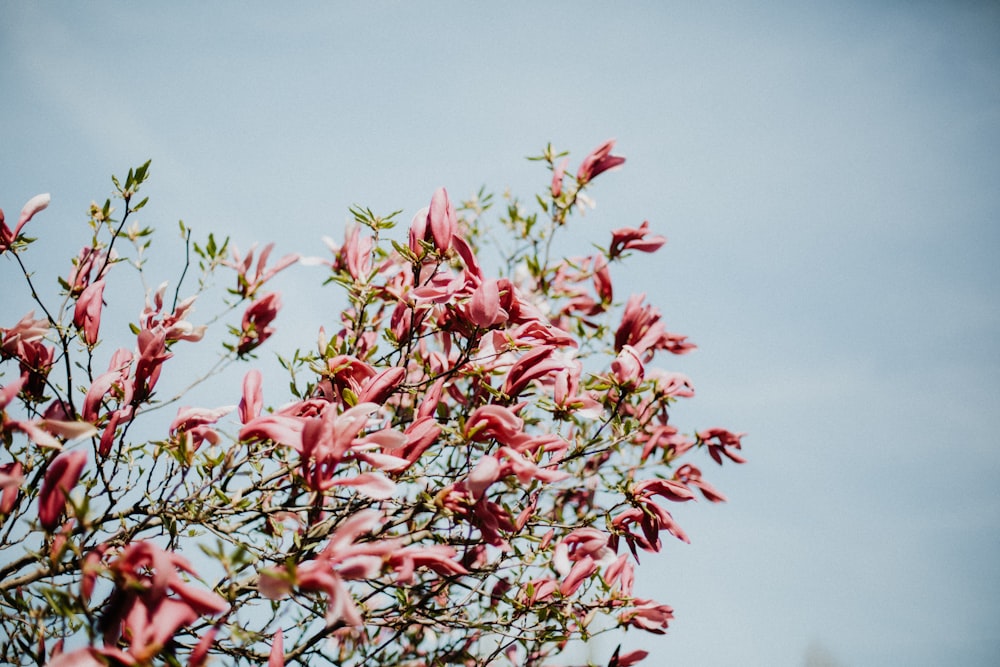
(373, 485)
(34, 205)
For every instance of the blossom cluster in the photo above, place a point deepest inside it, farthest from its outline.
(465, 470)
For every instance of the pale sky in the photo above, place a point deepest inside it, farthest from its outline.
(826, 174)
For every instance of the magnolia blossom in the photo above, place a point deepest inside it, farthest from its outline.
(11, 478)
(87, 314)
(253, 398)
(630, 238)
(257, 319)
(175, 325)
(61, 476)
(27, 330)
(249, 280)
(627, 368)
(465, 452)
(598, 161)
(558, 172)
(342, 558)
(436, 224)
(648, 615)
(154, 602)
(192, 426)
(33, 206)
(721, 443)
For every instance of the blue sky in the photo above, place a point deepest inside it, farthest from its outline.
(826, 174)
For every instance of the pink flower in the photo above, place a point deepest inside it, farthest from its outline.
(9, 392)
(484, 306)
(630, 238)
(672, 384)
(648, 615)
(253, 399)
(627, 368)
(353, 258)
(87, 314)
(580, 572)
(277, 656)
(191, 427)
(147, 616)
(420, 435)
(436, 224)
(61, 476)
(688, 474)
(622, 572)
(89, 569)
(526, 470)
(721, 442)
(628, 659)
(152, 345)
(437, 557)
(85, 263)
(535, 364)
(116, 376)
(557, 177)
(586, 541)
(379, 387)
(257, 319)
(602, 280)
(83, 657)
(248, 283)
(482, 476)
(34, 205)
(642, 328)
(173, 326)
(539, 590)
(566, 394)
(11, 478)
(199, 654)
(342, 558)
(35, 360)
(598, 161)
(27, 330)
(370, 484)
(493, 421)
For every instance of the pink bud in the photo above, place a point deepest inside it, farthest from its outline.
(60, 478)
(87, 314)
(277, 656)
(11, 477)
(557, 177)
(253, 399)
(484, 306)
(441, 220)
(627, 368)
(34, 205)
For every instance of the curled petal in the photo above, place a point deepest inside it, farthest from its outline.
(70, 430)
(33, 206)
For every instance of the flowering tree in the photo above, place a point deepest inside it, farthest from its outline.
(466, 472)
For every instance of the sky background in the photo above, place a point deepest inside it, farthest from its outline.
(827, 174)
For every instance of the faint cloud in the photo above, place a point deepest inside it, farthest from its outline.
(818, 655)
